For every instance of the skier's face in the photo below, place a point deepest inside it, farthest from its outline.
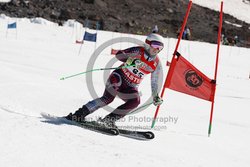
(155, 47)
(153, 51)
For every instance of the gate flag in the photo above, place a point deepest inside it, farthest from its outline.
(89, 37)
(12, 25)
(184, 77)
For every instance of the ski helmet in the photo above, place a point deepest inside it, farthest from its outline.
(154, 38)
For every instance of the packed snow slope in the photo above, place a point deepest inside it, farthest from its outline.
(237, 8)
(34, 57)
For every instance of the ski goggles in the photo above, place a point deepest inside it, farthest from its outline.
(156, 45)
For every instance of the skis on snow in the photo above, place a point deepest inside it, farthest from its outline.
(140, 135)
(95, 126)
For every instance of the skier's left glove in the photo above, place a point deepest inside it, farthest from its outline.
(129, 61)
(157, 100)
(134, 62)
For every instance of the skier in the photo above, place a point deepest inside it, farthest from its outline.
(124, 82)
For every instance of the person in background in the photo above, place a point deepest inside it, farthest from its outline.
(186, 33)
(155, 29)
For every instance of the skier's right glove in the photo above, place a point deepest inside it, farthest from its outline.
(157, 100)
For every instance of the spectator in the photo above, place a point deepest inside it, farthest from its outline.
(224, 40)
(236, 40)
(186, 33)
(155, 29)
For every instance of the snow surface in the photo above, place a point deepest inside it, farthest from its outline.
(35, 56)
(5, 1)
(237, 8)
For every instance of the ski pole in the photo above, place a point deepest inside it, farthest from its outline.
(99, 69)
(145, 105)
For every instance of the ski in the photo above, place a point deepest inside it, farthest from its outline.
(95, 126)
(139, 135)
(89, 125)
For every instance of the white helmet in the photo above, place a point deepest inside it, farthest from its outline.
(154, 37)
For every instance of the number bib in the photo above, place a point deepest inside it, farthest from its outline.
(136, 75)
(133, 74)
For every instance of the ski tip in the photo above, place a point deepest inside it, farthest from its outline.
(47, 115)
(149, 135)
(44, 114)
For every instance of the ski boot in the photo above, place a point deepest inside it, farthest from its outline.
(79, 115)
(109, 120)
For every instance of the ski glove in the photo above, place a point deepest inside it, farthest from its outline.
(157, 100)
(134, 62)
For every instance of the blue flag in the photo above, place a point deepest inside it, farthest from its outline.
(90, 37)
(12, 25)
